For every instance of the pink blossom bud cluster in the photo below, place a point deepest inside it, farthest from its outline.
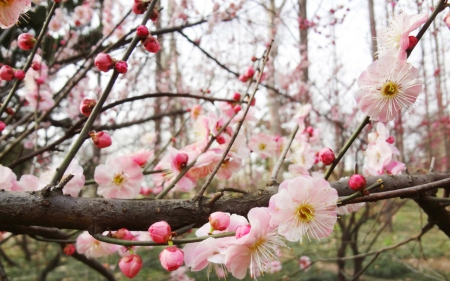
(105, 63)
(8, 73)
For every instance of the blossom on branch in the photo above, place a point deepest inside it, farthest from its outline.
(10, 11)
(387, 86)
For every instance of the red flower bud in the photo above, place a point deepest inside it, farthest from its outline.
(19, 74)
(160, 232)
(142, 31)
(171, 258)
(130, 265)
(69, 249)
(326, 156)
(412, 42)
(26, 41)
(86, 106)
(7, 73)
(101, 139)
(357, 182)
(237, 97)
(154, 15)
(104, 62)
(121, 66)
(151, 44)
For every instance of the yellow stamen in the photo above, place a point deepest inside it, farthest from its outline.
(390, 89)
(305, 213)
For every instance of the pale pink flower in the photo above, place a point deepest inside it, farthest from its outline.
(198, 255)
(74, 186)
(302, 156)
(263, 145)
(302, 113)
(7, 178)
(141, 157)
(119, 177)
(92, 248)
(82, 15)
(395, 167)
(27, 183)
(42, 100)
(10, 11)
(180, 275)
(229, 167)
(196, 110)
(304, 206)
(274, 266)
(378, 155)
(394, 39)
(172, 164)
(349, 208)
(387, 86)
(304, 263)
(255, 249)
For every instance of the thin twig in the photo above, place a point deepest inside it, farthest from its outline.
(238, 128)
(276, 169)
(366, 267)
(3, 276)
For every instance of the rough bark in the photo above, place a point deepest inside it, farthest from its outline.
(98, 214)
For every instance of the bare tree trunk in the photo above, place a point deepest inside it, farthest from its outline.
(302, 13)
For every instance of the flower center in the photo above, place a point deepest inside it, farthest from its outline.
(390, 89)
(118, 179)
(262, 146)
(305, 213)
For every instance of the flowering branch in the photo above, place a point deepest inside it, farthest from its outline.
(30, 58)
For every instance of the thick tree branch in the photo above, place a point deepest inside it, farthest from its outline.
(98, 214)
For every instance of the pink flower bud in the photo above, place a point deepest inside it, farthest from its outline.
(7, 73)
(237, 97)
(220, 139)
(242, 230)
(139, 7)
(130, 265)
(104, 62)
(171, 258)
(390, 140)
(86, 106)
(19, 74)
(26, 41)
(180, 160)
(447, 20)
(219, 220)
(121, 66)
(40, 80)
(2, 126)
(36, 66)
(151, 44)
(412, 42)
(250, 72)
(326, 156)
(154, 15)
(237, 108)
(124, 234)
(243, 78)
(253, 102)
(310, 130)
(69, 249)
(160, 232)
(357, 182)
(101, 139)
(142, 31)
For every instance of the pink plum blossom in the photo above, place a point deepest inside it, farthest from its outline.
(171, 258)
(119, 177)
(10, 11)
(304, 206)
(104, 62)
(304, 263)
(6, 73)
(27, 183)
(101, 139)
(378, 155)
(7, 178)
(74, 186)
(394, 39)
(255, 249)
(82, 15)
(263, 145)
(387, 86)
(26, 41)
(130, 265)
(92, 248)
(357, 182)
(151, 44)
(142, 157)
(40, 100)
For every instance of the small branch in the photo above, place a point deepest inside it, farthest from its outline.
(347, 146)
(182, 230)
(360, 193)
(366, 267)
(122, 242)
(60, 241)
(94, 264)
(236, 132)
(213, 200)
(3, 276)
(50, 266)
(230, 189)
(276, 169)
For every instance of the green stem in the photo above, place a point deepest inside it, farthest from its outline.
(122, 242)
(347, 146)
(360, 193)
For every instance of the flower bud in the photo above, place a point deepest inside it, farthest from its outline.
(220, 139)
(35, 66)
(310, 131)
(124, 234)
(219, 220)
(154, 15)
(243, 78)
(69, 249)
(151, 44)
(130, 265)
(242, 230)
(142, 31)
(412, 42)
(160, 232)
(326, 156)
(139, 7)
(171, 258)
(2, 126)
(237, 108)
(250, 72)
(104, 62)
(19, 74)
(86, 106)
(253, 102)
(357, 182)
(390, 140)
(26, 41)
(237, 97)
(6, 73)
(101, 139)
(121, 66)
